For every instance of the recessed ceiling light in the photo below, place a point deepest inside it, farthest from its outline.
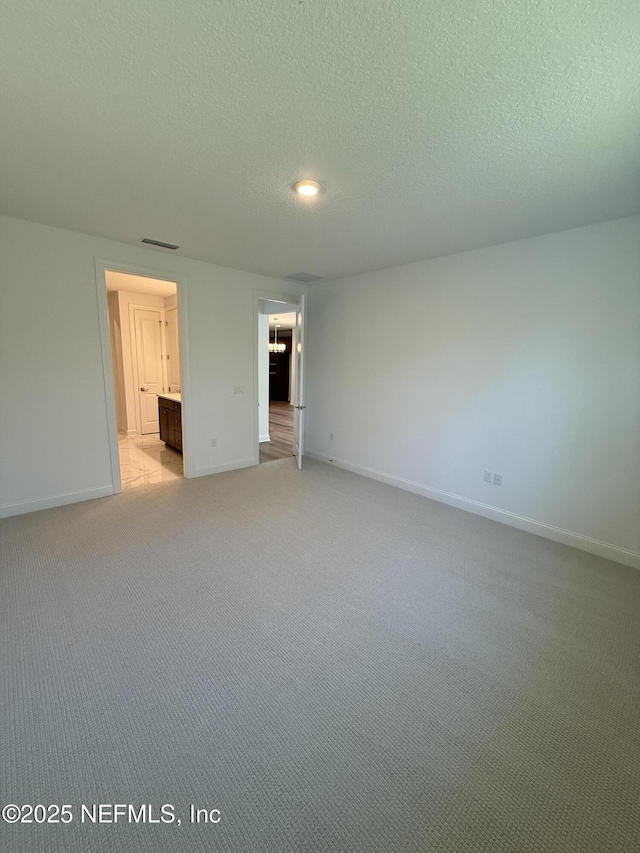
(307, 188)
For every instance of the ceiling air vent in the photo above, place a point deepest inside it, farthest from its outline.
(304, 276)
(158, 243)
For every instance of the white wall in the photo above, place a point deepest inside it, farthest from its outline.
(263, 377)
(53, 427)
(523, 359)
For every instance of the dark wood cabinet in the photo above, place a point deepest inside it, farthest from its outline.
(170, 416)
(279, 368)
(279, 376)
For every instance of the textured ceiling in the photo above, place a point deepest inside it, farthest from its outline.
(434, 127)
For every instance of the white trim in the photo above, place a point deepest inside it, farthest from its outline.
(265, 437)
(107, 370)
(530, 525)
(56, 500)
(131, 433)
(185, 381)
(219, 469)
(299, 395)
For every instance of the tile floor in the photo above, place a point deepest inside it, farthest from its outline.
(145, 459)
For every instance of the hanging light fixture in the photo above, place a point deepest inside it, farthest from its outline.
(275, 346)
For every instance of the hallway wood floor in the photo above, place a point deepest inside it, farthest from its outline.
(281, 432)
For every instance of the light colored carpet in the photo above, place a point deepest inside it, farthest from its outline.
(335, 664)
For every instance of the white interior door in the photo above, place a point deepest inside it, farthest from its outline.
(148, 349)
(299, 407)
(173, 350)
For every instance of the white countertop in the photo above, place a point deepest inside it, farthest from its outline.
(177, 397)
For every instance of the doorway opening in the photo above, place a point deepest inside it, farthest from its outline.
(144, 330)
(277, 330)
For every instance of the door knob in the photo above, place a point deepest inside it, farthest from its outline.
(144, 389)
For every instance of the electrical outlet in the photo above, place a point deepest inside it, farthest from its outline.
(238, 389)
(488, 477)
(330, 436)
(497, 479)
(214, 442)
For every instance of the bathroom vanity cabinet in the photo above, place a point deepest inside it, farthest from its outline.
(170, 414)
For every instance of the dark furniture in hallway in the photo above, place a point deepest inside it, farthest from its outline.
(279, 372)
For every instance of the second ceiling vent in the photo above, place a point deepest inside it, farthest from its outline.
(304, 276)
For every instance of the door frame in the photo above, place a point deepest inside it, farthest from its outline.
(275, 296)
(300, 404)
(101, 267)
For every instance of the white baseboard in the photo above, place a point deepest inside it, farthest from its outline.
(131, 433)
(530, 525)
(265, 437)
(56, 500)
(219, 469)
